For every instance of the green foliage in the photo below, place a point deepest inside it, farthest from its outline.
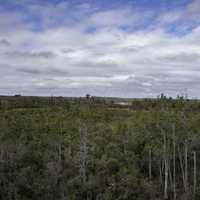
(41, 152)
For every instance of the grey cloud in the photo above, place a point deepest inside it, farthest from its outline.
(4, 42)
(63, 50)
(29, 71)
(194, 7)
(23, 54)
(176, 83)
(132, 49)
(58, 72)
(44, 71)
(81, 69)
(182, 58)
(95, 65)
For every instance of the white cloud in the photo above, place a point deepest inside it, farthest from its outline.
(185, 17)
(113, 18)
(67, 60)
(170, 17)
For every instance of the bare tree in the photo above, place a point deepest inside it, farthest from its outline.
(195, 174)
(83, 152)
(150, 164)
(161, 167)
(186, 167)
(165, 165)
(174, 162)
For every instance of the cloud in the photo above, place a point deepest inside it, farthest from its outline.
(125, 55)
(182, 58)
(182, 20)
(4, 42)
(194, 7)
(126, 17)
(113, 18)
(21, 54)
(169, 17)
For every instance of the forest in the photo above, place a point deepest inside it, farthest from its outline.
(56, 148)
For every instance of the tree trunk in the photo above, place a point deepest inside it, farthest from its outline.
(83, 153)
(150, 165)
(181, 165)
(166, 180)
(161, 174)
(195, 175)
(186, 168)
(174, 163)
(166, 166)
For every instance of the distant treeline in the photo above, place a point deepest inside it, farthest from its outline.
(159, 103)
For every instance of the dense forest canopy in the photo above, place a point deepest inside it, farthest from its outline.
(95, 149)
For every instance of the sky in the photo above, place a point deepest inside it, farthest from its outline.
(120, 48)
